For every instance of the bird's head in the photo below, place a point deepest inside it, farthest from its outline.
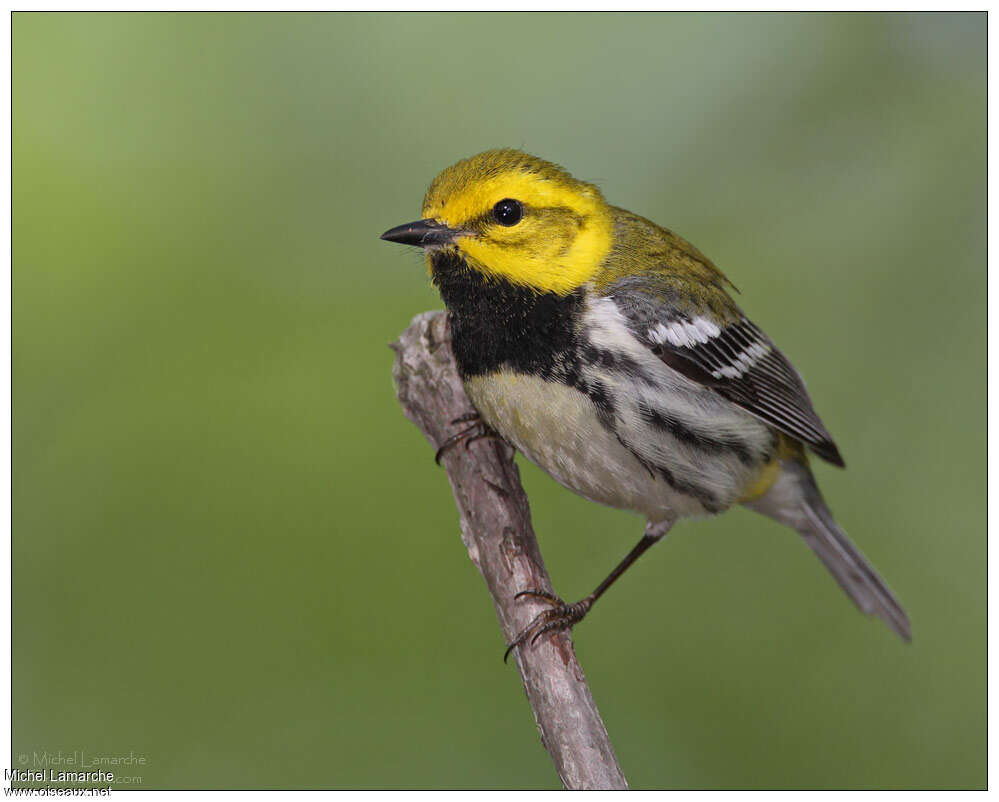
(513, 216)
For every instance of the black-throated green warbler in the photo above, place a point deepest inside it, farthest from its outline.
(607, 350)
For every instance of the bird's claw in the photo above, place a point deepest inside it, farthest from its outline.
(478, 430)
(544, 595)
(558, 618)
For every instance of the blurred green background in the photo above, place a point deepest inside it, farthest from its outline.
(234, 557)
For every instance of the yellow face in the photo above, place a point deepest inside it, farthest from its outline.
(522, 219)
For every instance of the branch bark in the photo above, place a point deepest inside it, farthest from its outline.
(496, 529)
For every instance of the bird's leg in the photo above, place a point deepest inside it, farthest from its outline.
(562, 616)
(478, 430)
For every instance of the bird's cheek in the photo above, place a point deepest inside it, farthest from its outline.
(484, 255)
(474, 248)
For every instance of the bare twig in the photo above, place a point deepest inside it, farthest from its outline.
(496, 529)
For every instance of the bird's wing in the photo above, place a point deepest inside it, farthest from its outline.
(688, 319)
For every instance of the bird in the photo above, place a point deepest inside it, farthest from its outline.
(609, 351)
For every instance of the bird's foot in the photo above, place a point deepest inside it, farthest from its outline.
(477, 431)
(559, 618)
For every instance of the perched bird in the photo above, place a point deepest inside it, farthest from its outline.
(608, 351)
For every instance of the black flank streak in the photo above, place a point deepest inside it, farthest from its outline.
(608, 360)
(667, 423)
(597, 393)
(642, 461)
(707, 500)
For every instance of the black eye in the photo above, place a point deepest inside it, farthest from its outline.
(508, 212)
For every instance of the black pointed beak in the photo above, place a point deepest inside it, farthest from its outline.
(422, 233)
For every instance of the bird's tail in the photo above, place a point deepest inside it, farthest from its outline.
(795, 500)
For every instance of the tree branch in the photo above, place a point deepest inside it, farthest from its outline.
(496, 529)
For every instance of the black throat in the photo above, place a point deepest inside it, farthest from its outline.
(497, 324)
